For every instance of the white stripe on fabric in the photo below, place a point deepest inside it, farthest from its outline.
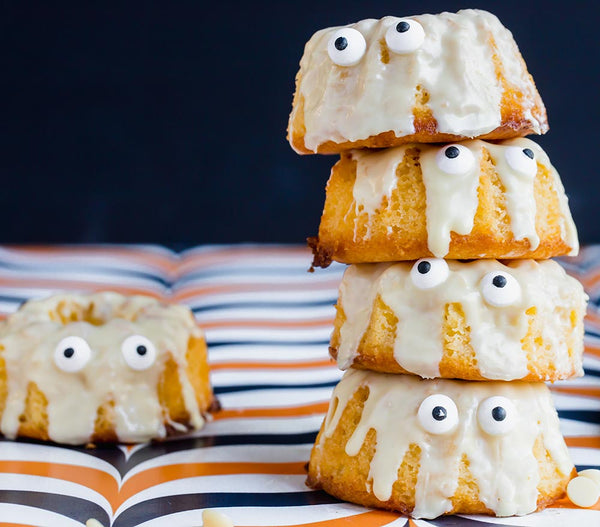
(12, 513)
(268, 352)
(274, 398)
(585, 456)
(228, 454)
(244, 483)
(275, 376)
(15, 451)
(270, 425)
(264, 516)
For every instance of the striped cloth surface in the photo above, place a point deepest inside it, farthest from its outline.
(267, 323)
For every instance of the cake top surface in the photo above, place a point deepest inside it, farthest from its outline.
(366, 78)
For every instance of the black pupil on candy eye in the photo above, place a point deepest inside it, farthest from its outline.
(439, 413)
(69, 352)
(528, 152)
(499, 281)
(451, 152)
(499, 413)
(341, 43)
(424, 267)
(141, 350)
(402, 27)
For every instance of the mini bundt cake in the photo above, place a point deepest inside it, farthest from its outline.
(102, 367)
(478, 320)
(424, 79)
(432, 447)
(467, 200)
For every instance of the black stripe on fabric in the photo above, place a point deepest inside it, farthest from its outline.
(269, 344)
(13, 299)
(253, 387)
(157, 507)
(593, 373)
(179, 445)
(113, 455)
(262, 342)
(77, 509)
(587, 416)
(585, 467)
(274, 304)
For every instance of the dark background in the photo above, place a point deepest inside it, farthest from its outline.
(165, 122)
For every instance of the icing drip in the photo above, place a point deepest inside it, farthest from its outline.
(28, 340)
(455, 64)
(504, 467)
(375, 179)
(452, 200)
(496, 333)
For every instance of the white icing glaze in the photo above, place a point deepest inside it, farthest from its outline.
(454, 63)
(29, 337)
(452, 199)
(504, 467)
(495, 332)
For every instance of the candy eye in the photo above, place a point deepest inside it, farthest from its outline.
(139, 352)
(405, 37)
(72, 354)
(496, 415)
(500, 289)
(346, 47)
(521, 160)
(438, 414)
(429, 272)
(455, 159)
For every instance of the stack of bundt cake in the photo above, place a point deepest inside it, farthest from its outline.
(450, 317)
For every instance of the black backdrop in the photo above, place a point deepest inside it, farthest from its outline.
(165, 122)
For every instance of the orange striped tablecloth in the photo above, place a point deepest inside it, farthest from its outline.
(268, 323)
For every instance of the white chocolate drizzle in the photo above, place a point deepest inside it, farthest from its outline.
(504, 467)
(496, 333)
(455, 64)
(27, 342)
(452, 200)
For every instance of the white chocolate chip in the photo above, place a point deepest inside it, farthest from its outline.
(93, 523)
(212, 518)
(583, 492)
(591, 473)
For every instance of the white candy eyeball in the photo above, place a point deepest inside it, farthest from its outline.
(521, 160)
(455, 159)
(500, 289)
(346, 47)
(438, 414)
(139, 352)
(429, 272)
(496, 415)
(72, 354)
(405, 36)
